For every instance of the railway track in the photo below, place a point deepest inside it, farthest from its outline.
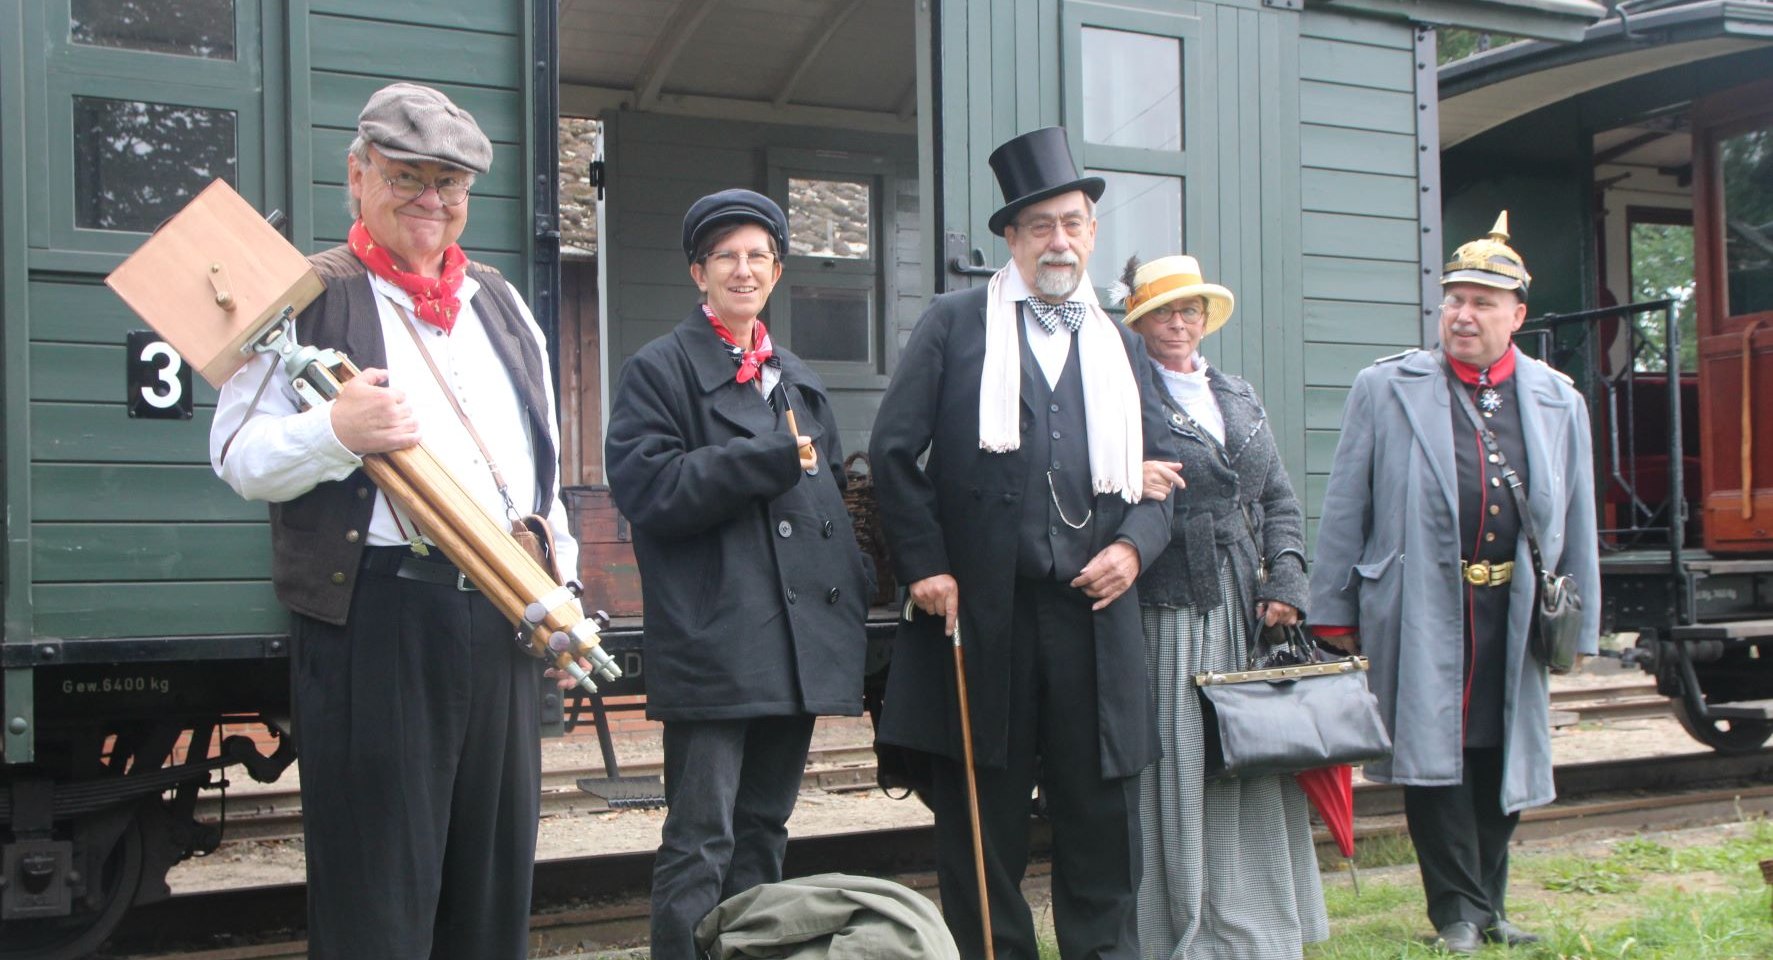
(599, 903)
(277, 814)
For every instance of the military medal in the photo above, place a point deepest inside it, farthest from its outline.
(1488, 400)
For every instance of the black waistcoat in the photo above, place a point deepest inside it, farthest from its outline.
(1056, 443)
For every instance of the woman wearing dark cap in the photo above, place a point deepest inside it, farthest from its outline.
(722, 452)
(1230, 871)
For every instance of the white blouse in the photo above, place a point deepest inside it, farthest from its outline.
(1194, 394)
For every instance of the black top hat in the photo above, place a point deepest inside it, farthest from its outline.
(729, 205)
(1033, 167)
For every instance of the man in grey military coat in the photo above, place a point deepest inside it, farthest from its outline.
(1422, 565)
(1025, 529)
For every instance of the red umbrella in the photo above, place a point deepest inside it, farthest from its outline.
(1331, 791)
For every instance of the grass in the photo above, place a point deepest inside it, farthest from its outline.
(1637, 899)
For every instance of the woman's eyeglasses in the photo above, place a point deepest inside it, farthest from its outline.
(1189, 314)
(724, 260)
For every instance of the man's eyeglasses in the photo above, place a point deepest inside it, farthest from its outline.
(1190, 314)
(452, 190)
(1041, 228)
(723, 260)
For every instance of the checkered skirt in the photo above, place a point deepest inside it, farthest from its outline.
(1230, 871)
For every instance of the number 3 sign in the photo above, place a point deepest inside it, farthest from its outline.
(159, 379)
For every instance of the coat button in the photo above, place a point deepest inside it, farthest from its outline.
(833, 595)
(363, 493)
(828, 529)
(1009, 498)
(352, 536)
(791, 596)
(785, 529)
(1495, 509)
(1055, 434)
(338, 578)
(1053, 407)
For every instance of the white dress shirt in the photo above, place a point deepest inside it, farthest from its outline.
(282, 451)
(1050, 350)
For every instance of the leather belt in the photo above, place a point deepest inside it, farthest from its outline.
(407, 565)
(1486, 574)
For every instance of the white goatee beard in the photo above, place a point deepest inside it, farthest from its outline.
(1056, 284)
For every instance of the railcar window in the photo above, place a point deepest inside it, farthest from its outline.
(832, 323)
(137, 163)
(189, 28)
(1747, 174)
(1140, 214)
(1132, 89)
(828, 218)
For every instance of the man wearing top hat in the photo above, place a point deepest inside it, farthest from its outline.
(1423, 565)
(1025, 529)
(415, 713)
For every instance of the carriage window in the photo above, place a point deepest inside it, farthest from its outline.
(137, 163)
(1139, 214)
(1747, 175)
(1132, 89)
(832, 323)
(828, 218)
(189, 28)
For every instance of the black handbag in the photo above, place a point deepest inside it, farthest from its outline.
(1557, 608)
(1291, 711)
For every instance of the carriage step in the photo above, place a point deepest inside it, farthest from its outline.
(1741, 710)
(1728, 630)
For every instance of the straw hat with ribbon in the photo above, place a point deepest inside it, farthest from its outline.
(1153, 284)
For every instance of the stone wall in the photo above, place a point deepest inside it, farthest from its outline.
(578, 199)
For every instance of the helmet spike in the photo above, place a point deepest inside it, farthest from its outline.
(1499, 232)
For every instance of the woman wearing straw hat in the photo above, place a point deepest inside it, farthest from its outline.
(1230, 870)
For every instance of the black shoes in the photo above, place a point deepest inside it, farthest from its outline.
(1507, 933)
(1460, 936)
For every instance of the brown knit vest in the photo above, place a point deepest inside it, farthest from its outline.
(317, 539)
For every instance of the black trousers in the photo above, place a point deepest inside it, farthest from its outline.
(1053, 740)
(1461, 837)
(730, 786)
(420, 754)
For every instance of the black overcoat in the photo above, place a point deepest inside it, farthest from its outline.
(960, 514)
(755, 591)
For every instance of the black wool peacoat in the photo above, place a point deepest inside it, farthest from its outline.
(959, 513)
(755, 590)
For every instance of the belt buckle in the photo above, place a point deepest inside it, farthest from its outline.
(1478, 574)
(463, 585)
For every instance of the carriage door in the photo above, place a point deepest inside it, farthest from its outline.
(1733, 240)
(1116, 76)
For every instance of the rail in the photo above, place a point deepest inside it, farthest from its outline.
(1612, 381)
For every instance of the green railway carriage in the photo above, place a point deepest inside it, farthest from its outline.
(1290, 144)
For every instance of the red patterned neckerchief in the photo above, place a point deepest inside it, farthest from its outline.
(749, 361)
(1491, 375)
(434, 300)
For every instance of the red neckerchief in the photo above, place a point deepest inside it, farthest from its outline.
(749, 360)
(435, 301)
(1488, 376)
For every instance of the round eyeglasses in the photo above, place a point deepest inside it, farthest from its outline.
(451, 189)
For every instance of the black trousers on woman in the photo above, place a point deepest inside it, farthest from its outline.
(730, 786)
(1461, 837)
(1053, 740)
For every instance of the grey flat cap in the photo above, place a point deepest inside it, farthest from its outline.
(410, 122)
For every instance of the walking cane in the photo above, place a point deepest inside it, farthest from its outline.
(966, 748)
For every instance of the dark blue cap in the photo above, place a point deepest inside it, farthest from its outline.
(730, 205)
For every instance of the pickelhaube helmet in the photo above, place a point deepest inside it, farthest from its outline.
(1489, 261)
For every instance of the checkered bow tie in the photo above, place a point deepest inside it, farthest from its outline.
(1050, 315)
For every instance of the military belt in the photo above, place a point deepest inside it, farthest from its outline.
(1486, 574)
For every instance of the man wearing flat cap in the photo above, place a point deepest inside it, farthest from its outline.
(1425, 564)
(722, 451)
(416, 715)
(1024, 530)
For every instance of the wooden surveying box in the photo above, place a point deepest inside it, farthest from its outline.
(212, 278)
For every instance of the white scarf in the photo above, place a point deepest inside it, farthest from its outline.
(1111, 392)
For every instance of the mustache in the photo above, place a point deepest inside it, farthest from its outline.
(1057, 260)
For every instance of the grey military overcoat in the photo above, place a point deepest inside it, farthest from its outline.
(1388, 561)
